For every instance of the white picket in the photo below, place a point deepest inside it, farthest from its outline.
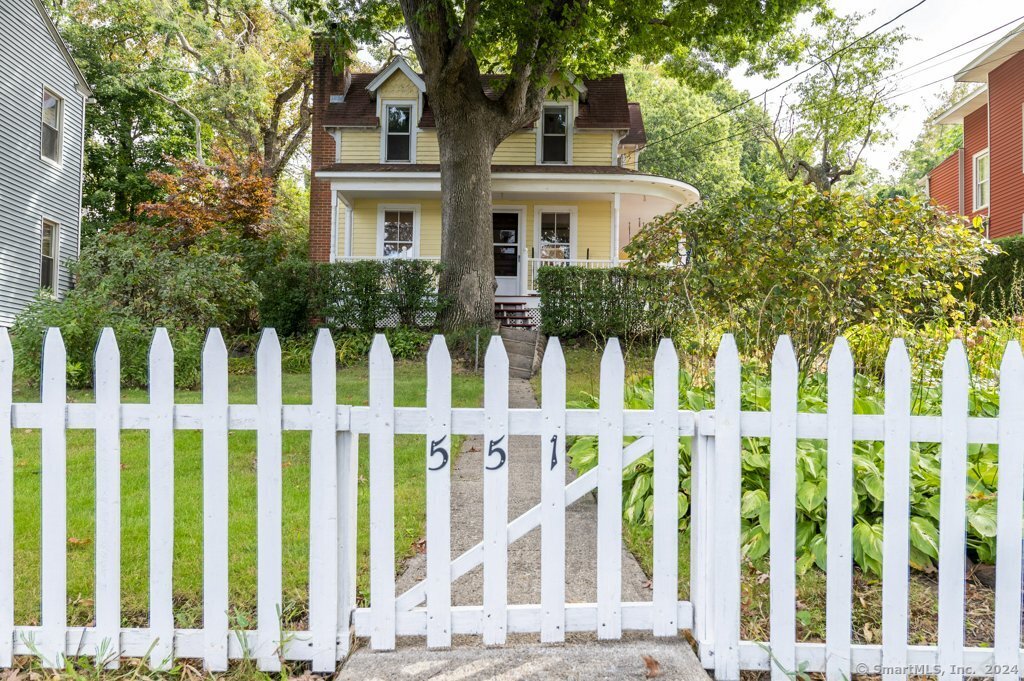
(54, 501)
(161, 500)
(896, 513)
(665, 576)
(495, 463)
(347, 447)
(6, 501)
(215, 502)
(1009, 512)
(702, 567)
(728, 483)
(323, 507)
(382, 494)
(268, 501)
(609, 493)
(839, 522)
(783, 510)
(552, 494)
(952, 512)
(107, 384)
(439, 453)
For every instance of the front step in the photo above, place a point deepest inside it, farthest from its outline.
(525, 349)
(516, 315)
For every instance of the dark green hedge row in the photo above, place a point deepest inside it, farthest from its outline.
(363, 295)
(994, 290)
(601, 303)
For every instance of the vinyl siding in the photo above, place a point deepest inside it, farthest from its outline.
(31, 188)
(360, 146)
(592, 148)
(593, 225)
(944, 183)
(975, 140)
(1006, 100)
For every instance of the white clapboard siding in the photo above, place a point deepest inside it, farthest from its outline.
(495, 465)
(6, 502)
(552, 494)
(161, 500)
(215, 502)
(896, 513)
(839, 522)
(953, 512)
(609, 494)
(726, 497)
(439, 455)
(268, 501)
(54, 501)
(783, 510)
(382, 494)
(665, 556)
(107, 384)
(323, 507)
(1010, 509)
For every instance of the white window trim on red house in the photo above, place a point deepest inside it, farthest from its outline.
(974, 180)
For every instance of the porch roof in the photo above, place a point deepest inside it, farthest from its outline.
(367, 179)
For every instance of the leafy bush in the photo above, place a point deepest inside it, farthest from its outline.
(811, 484)
(362, 295)
(999, 289)
(764, 262)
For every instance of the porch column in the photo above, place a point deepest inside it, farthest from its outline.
(524, 271)
(349, 219)
(615, 229)
(334, 225)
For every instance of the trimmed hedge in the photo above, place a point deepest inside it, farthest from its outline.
(602, 303)
(995, 290)
(361, 295)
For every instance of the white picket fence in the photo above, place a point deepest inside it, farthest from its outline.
(713, 614)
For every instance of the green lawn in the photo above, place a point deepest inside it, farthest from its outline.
(410, 390)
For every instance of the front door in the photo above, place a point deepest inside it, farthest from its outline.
(507, 237)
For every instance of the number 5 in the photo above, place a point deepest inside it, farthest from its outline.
(493, 448)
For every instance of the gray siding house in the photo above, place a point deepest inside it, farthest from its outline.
(42, 122)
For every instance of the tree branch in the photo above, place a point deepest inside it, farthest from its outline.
(195, 121)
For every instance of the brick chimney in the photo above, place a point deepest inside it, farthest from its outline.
(325, 83)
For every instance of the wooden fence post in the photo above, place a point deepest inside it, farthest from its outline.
(552, 494)
(495, 464)
(107, 384)
(609, 493)
(783, 510)
(215, 502)
(666, 491)
(439, 455)
(728, 482)
(839, 521)
(161, 500)
(382, 495)
(268, 501)
(53, 637)
(6, 501)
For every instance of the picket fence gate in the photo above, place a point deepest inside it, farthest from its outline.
(713, 612)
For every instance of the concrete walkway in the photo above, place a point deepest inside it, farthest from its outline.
(524, 658)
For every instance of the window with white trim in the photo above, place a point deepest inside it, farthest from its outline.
(399, 233)
(48, 262)
(50, 126)
(981, 180)
(555, 236)
(398, 133)
(555, 134)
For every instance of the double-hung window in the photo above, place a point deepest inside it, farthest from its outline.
(555, 134)
(555, 236)
(399, 233)
(398, 133)
(50, 127)
(981, 180)
(48, 256)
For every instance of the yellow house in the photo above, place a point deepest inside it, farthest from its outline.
(565, 190)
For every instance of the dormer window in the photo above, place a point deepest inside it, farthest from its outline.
(398, 133)
(554, 143)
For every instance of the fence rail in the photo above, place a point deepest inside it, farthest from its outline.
(713, 613)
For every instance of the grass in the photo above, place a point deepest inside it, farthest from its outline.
(410, 390)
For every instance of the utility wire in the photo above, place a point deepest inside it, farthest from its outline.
(796, 75)
(952, 75)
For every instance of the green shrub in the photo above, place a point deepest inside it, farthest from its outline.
(999, 289)
(286, 292)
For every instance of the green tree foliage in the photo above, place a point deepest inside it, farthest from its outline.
(766, 262)
(129, 132)
(932, 146)
(841, 106)
(718, 156)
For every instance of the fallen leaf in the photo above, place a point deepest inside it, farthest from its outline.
(647, 584)
(653, 668)
(75, 541)
(869, 635)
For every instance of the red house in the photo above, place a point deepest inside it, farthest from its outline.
(985, 177)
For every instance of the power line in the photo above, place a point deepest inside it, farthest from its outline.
(791, 78)
(966, 42)
(952, 75)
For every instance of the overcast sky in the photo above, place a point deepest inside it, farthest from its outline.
(935, 26)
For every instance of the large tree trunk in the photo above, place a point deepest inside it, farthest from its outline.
(467, 137)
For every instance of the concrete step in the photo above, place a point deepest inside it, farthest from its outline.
(520, 373)
(521, 335)
(515, 347)
(524, 362)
